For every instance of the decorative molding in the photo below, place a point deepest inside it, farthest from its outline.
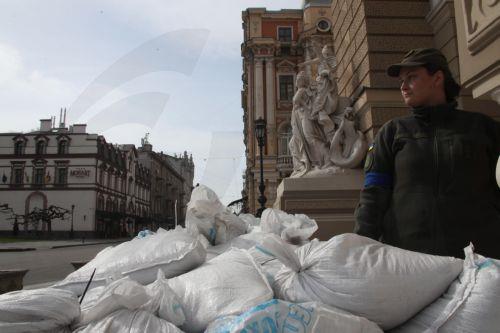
(482, 23)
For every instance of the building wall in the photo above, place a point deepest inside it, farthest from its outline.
(265, 62)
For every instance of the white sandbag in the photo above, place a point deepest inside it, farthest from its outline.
(124, 320)
(243, 242)
(280, 316)
(228, 284)
(471, 304)
(253, 222)
(207, 216)
(174, 252)
(122, 294)
(37, 310)
(384, 284)
(163, 302)
(295, 229)
(156, 298)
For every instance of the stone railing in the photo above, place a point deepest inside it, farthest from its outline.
(284, 162)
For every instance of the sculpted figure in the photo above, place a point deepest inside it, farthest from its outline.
(308, 144)
(324, 136)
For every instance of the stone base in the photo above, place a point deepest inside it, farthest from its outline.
(331, 200)
(11, 280)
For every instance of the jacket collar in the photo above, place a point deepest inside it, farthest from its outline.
(434, 113)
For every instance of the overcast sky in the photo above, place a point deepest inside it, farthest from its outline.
(168, 68)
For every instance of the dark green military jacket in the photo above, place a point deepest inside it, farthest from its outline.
(430, 183)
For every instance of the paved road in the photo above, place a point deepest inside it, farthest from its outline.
(47, 265)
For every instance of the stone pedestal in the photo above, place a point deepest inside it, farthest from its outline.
(330, 200)
(11, 280)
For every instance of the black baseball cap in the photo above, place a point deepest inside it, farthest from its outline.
(420, 57)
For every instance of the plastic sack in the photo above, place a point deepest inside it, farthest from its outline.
(122, 294)
(253, 222)
(226, 285)
(281, 316)
(174, 252)
(163, 302)
(471, 304)
(124, 320)
(382, 283)
(156, 298)
(46, 309)
(207, 216)
(295, 229)
(243, 242)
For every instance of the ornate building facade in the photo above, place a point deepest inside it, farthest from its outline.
(275, 43)
(107, 190)
(367, 36)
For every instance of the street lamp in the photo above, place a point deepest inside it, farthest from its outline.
(260, 134)
(71, 231)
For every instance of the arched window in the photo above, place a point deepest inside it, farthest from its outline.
(62, 147)
(284, 136)
(19, 147)
(100, 203)
(109, 205)
(40, 147)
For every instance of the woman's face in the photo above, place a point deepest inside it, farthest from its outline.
(419, 88)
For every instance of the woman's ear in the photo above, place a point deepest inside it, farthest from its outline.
(439, 79)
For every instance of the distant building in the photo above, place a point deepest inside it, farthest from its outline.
(171, 184)
(108, 188)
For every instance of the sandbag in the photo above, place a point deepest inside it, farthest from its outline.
(471, 304)
(382, 283)
(136, 321)
(174, 252)
(37, 310)
(163, 302)
(156, 298)
(226, 285)
(207, 216)
(243, 242)
(121, 294)
(295, 229)
(280, 316)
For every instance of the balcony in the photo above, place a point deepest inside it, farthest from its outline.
(284, 163)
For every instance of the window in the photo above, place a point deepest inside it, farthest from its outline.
(38, 175)
(284, 138)
(285, 34)
(19, 148)
(61, 174)
(286, 87)
(62, 147)
(18, 176)
(40, 147)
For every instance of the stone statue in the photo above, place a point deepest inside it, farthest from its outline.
(324, 136)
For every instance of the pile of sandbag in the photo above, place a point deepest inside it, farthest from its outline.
(226, 274)
(382, 283)
(174, 252)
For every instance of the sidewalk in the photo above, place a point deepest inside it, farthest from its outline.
(55, 244)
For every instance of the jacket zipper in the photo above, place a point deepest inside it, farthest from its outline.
(435, 227)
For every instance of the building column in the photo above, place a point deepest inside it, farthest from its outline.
(258, 89)
(270, 107)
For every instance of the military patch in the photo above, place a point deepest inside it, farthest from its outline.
(369, 159)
